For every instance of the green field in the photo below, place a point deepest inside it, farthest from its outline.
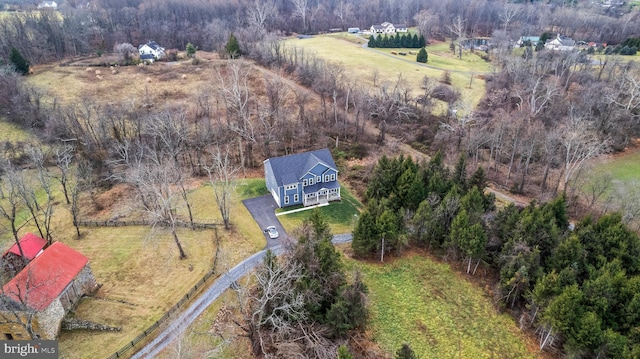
(624, 168)
(364, 64)
(12, 133)
(426, 304)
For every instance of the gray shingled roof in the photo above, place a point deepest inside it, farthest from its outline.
(289, 169)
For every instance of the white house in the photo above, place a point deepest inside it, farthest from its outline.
(48, 5)
(151, 51)
(560, 43)
(388, 28)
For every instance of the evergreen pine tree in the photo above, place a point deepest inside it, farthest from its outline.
(233, 47)
(393, 41)
(21, 65)
(384, 42)
(422, 56)
(372, 42)
(421, 41)
(191, 50)
(460, 172)
(415, 43)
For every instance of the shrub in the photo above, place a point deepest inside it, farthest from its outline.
(19, 62)
(446, 78)
(191, 50)
(422, 56)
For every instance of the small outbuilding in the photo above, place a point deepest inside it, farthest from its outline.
(36, 300)
(21, 253)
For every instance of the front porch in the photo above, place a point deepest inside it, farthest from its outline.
(322, 196)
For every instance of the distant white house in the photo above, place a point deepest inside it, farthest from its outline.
(48, 5)
(151, 51)
(388, 28)
(560, 43)
(353, 30)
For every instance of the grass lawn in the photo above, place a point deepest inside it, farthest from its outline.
(361, 64)
(12, 133)
(624, 168)
(440, 314)
(341, 216)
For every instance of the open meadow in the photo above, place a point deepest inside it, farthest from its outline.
(416, 300)
(379, 68)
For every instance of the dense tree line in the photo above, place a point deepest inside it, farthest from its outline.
(397, 41)
(303, 302)
(428, 196)
(575, 285)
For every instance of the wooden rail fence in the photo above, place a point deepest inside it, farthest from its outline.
(192, 292)
(111, 223)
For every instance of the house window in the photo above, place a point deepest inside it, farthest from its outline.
(295, 198)
(333, 177)
(291, 186)
(311, 181)
(286, 199)
(304, 182)
(318, 179)
(326, 178)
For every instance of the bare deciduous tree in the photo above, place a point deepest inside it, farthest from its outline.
(301, 7)
(12, 201)
(344, 12)
(222, 179)
(260, 12)
(125, 50)
(275, 302)
(64, 157)
(580, 143)
(156, 184)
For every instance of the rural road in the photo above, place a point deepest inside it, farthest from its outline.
(178, 324)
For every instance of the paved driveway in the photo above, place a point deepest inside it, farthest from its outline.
(262, 210)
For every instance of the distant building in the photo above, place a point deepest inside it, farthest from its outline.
(44, 292)
(560, 43)
(151, 48)
(48, 5)
(353, 30)
(388, 28)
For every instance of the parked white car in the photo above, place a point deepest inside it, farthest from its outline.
(272, 231)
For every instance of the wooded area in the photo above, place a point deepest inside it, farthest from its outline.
(576, 286)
